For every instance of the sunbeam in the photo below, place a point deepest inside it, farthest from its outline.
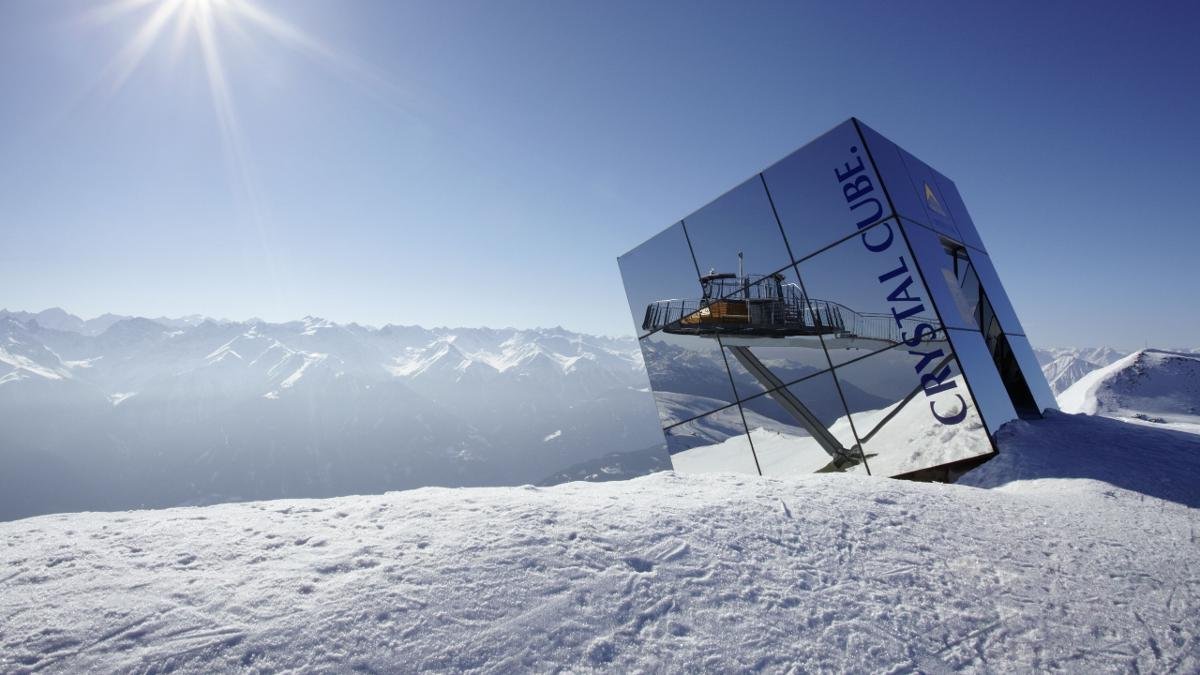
(201, 23)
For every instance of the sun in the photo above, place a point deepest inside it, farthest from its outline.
(198, 25)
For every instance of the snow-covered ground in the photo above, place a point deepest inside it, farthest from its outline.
(1052, 570)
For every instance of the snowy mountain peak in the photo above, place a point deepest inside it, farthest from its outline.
(1066, 370)
(306, 407)
(1152, 385)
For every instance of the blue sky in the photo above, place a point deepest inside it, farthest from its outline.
(455, 163)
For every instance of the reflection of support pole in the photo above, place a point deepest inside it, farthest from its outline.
(742, 279)
(842, 457)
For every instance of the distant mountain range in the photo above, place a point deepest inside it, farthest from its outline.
(122, 412)
(119, 412)
(1152, 385)
(1063, 366)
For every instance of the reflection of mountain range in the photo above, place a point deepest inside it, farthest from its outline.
(145, 413)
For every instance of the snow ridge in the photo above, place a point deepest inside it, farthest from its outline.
(1150, 385)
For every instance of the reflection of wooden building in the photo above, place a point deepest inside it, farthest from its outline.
(742, 305)
(763, 306)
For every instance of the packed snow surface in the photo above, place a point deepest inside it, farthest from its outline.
(1054, 570)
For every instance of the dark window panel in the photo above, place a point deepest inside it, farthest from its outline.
(1042, 394)
(951, 277)
(990, 281)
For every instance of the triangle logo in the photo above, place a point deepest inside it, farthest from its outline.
(932, 200)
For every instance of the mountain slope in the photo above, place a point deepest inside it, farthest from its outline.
(1151, 384)
(1066, 370)
(661, 573)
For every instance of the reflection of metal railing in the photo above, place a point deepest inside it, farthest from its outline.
(772, 317)
(770, 306)
(776, 318)
(881, 327)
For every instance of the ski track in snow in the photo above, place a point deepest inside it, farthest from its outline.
(665, 572)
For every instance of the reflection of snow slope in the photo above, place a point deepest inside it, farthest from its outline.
(674, 406)
(786, 453)
(914, 439)
(911, 440)
(729, 456)
(1150, 385)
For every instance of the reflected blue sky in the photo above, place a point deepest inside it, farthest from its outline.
(512, 151)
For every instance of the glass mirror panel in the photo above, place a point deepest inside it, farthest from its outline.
(688, 375)
(996, 295)
(767, 316)
(937, 215)
(802, 429)
(912, 410)
(958, 211)
(738, 233)
(868, 293)
(990, 392)
(660, 279)
(951, 277)
(894, 174)
(758, 365)
(715, 443)
(826, 191)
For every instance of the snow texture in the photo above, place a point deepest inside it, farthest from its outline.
(1056, 570)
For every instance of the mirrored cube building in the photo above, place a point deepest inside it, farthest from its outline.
(836, 312)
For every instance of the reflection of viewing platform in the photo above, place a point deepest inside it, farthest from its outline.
(733, 305)
(744, 311)
(767, 306)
